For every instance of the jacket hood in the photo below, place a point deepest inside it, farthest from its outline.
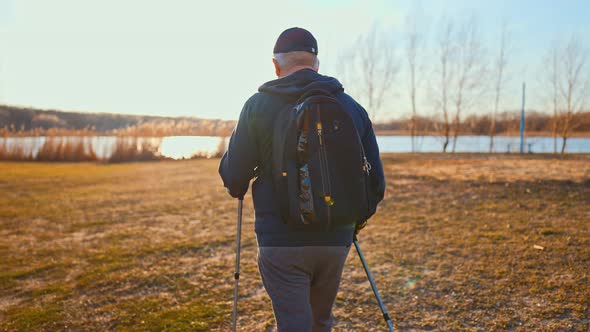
(300, 82)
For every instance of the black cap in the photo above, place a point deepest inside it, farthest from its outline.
(296, 39)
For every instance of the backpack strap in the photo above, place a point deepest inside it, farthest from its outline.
(314, 92)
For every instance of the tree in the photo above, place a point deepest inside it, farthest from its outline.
(445, 51)
(413, 46)
(371, 67)
(573, 85)
(551, 62)
(499, 69)
(470, 70)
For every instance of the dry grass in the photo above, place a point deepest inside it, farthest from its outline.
(81, 149)
(130, 149)
(64, 149)
(56, 146)
(150, 246)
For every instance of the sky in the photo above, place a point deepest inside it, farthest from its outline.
(205, 58)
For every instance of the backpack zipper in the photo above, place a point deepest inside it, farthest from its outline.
(324, 171)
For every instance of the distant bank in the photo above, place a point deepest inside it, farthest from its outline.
(132, 148)
(19, 121)
(505, 134)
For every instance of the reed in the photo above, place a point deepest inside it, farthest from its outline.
(78, 148)
(14, 152)
(12, 131)
(218, 153)
(65, 145)
(130, 149)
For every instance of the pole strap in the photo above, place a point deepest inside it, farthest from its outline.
(237, 275)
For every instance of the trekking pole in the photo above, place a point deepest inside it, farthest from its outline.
(237, 269)
(373, 286)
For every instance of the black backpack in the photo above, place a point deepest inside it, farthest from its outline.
(320, 171)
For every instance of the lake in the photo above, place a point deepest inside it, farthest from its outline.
(178, 147)
(502, 144)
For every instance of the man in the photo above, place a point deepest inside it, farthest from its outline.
(300, 271)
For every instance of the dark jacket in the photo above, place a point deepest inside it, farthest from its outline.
(249, 155)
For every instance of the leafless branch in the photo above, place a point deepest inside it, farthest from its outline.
(573, 84)
(500, 64)
(412, 48)
(373, 68)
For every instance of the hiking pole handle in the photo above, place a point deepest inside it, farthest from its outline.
(373, 285)
(237, 267)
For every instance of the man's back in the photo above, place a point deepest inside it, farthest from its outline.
(252, 141)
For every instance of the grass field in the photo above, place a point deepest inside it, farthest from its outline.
(460, 243)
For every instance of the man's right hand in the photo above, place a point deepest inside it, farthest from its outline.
(359, 226)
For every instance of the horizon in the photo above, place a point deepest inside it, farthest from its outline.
(153, 59)
(403, 117)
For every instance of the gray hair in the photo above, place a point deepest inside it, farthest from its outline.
(298, 58)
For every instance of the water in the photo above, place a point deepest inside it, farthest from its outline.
(502, 144)
(178, 147)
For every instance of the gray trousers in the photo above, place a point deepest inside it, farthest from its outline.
(302, 283)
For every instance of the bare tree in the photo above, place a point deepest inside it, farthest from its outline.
(573, 85)
(445, 52)
(499, 68)
(372, 67)
(470, 70)
(412, 47)
(550, 68)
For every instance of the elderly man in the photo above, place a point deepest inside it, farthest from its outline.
(301, 271)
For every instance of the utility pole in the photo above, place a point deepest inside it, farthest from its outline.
(522, 120)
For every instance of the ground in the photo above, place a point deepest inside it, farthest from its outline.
(463, 242)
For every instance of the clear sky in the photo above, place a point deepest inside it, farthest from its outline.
(205, 58)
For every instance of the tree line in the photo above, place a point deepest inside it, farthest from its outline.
(506, 123)
(450, 83)
(35, 122)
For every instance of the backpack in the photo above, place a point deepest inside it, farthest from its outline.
(319, 168)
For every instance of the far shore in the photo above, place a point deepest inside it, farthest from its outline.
(511, 134)
(377, 132)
